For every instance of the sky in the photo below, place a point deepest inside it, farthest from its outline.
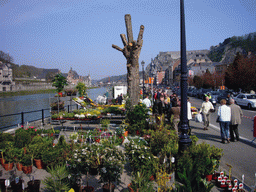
(80, 33)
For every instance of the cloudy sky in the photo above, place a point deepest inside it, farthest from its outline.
(79, 33)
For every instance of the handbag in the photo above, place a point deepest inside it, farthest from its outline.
(199, 118)
(218, 119)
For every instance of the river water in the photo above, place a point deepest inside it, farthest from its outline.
(37, 102)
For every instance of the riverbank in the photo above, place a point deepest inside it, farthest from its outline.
(31, 92)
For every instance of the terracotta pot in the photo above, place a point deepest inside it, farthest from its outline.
(19, 166)
(97, 140)
(2, 161)
(88, 189)
(34, 186)
(8, 166)
(39, 163)
(208, 177)
(106, 187)
(27, 169)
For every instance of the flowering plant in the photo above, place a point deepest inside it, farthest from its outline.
(140, 156)
(112, 165)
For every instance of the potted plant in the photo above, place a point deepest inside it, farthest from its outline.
(104, 124)
(9, 158)
(57, 181)
(140, 182)
(112, 167)
(27, 163)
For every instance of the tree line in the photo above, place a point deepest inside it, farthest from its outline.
(239, 75)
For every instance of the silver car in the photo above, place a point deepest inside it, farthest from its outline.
(247, 100)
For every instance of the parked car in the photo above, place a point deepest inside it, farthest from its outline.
(224, 95)
(202, 92)
(214, 99)
(247, 100)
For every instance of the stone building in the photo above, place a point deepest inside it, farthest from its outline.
(6, 80)
(73, 78)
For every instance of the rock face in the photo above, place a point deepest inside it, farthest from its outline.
(230, 54)
(226, 51)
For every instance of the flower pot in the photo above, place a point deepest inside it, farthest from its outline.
(93, 171)
(208, 177)
(16, 186)
(215, 176)
(97, 140)
(88, 189)
(19, 166)
(106, 187)
(2, 185)
(27, 169)
(8, 166)
(2, 161)
(39, 163)
(34, 186)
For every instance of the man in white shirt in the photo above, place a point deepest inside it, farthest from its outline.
(224, 114)
(147, 102)
(205, 110)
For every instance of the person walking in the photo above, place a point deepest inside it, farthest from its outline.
(205, 110)
(189, 114)
(147, 102)
(224, 116)
(159, 109)
(236, 114)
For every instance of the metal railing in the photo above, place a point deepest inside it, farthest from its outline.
(41, 117)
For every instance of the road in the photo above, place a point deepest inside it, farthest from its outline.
(241, 155)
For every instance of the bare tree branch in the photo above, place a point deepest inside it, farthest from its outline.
(117, 48)
(124, 39)
(140, 36)
(128, 23)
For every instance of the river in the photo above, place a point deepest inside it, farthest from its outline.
(16, 104)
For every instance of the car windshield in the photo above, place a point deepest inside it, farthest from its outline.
(251, 96)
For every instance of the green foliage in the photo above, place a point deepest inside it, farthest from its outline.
(57, 182)
(137, 118)
(141, 182)
(114, 110)
(6, 137)
(59, 82)
(195, 163)
(22, 138)
(81, 89)
(26, 160)
(140, 156)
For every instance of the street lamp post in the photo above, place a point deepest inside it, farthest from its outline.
(184, 140)
(143, 89)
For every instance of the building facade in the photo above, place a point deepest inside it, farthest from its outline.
(6, 79)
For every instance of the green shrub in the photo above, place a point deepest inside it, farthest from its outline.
(22, 138)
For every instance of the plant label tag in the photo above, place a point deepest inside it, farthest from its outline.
(17, 180)
(7, 182)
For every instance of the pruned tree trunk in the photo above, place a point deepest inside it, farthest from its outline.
(131, 51)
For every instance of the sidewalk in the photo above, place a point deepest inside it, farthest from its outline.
(240, 155)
